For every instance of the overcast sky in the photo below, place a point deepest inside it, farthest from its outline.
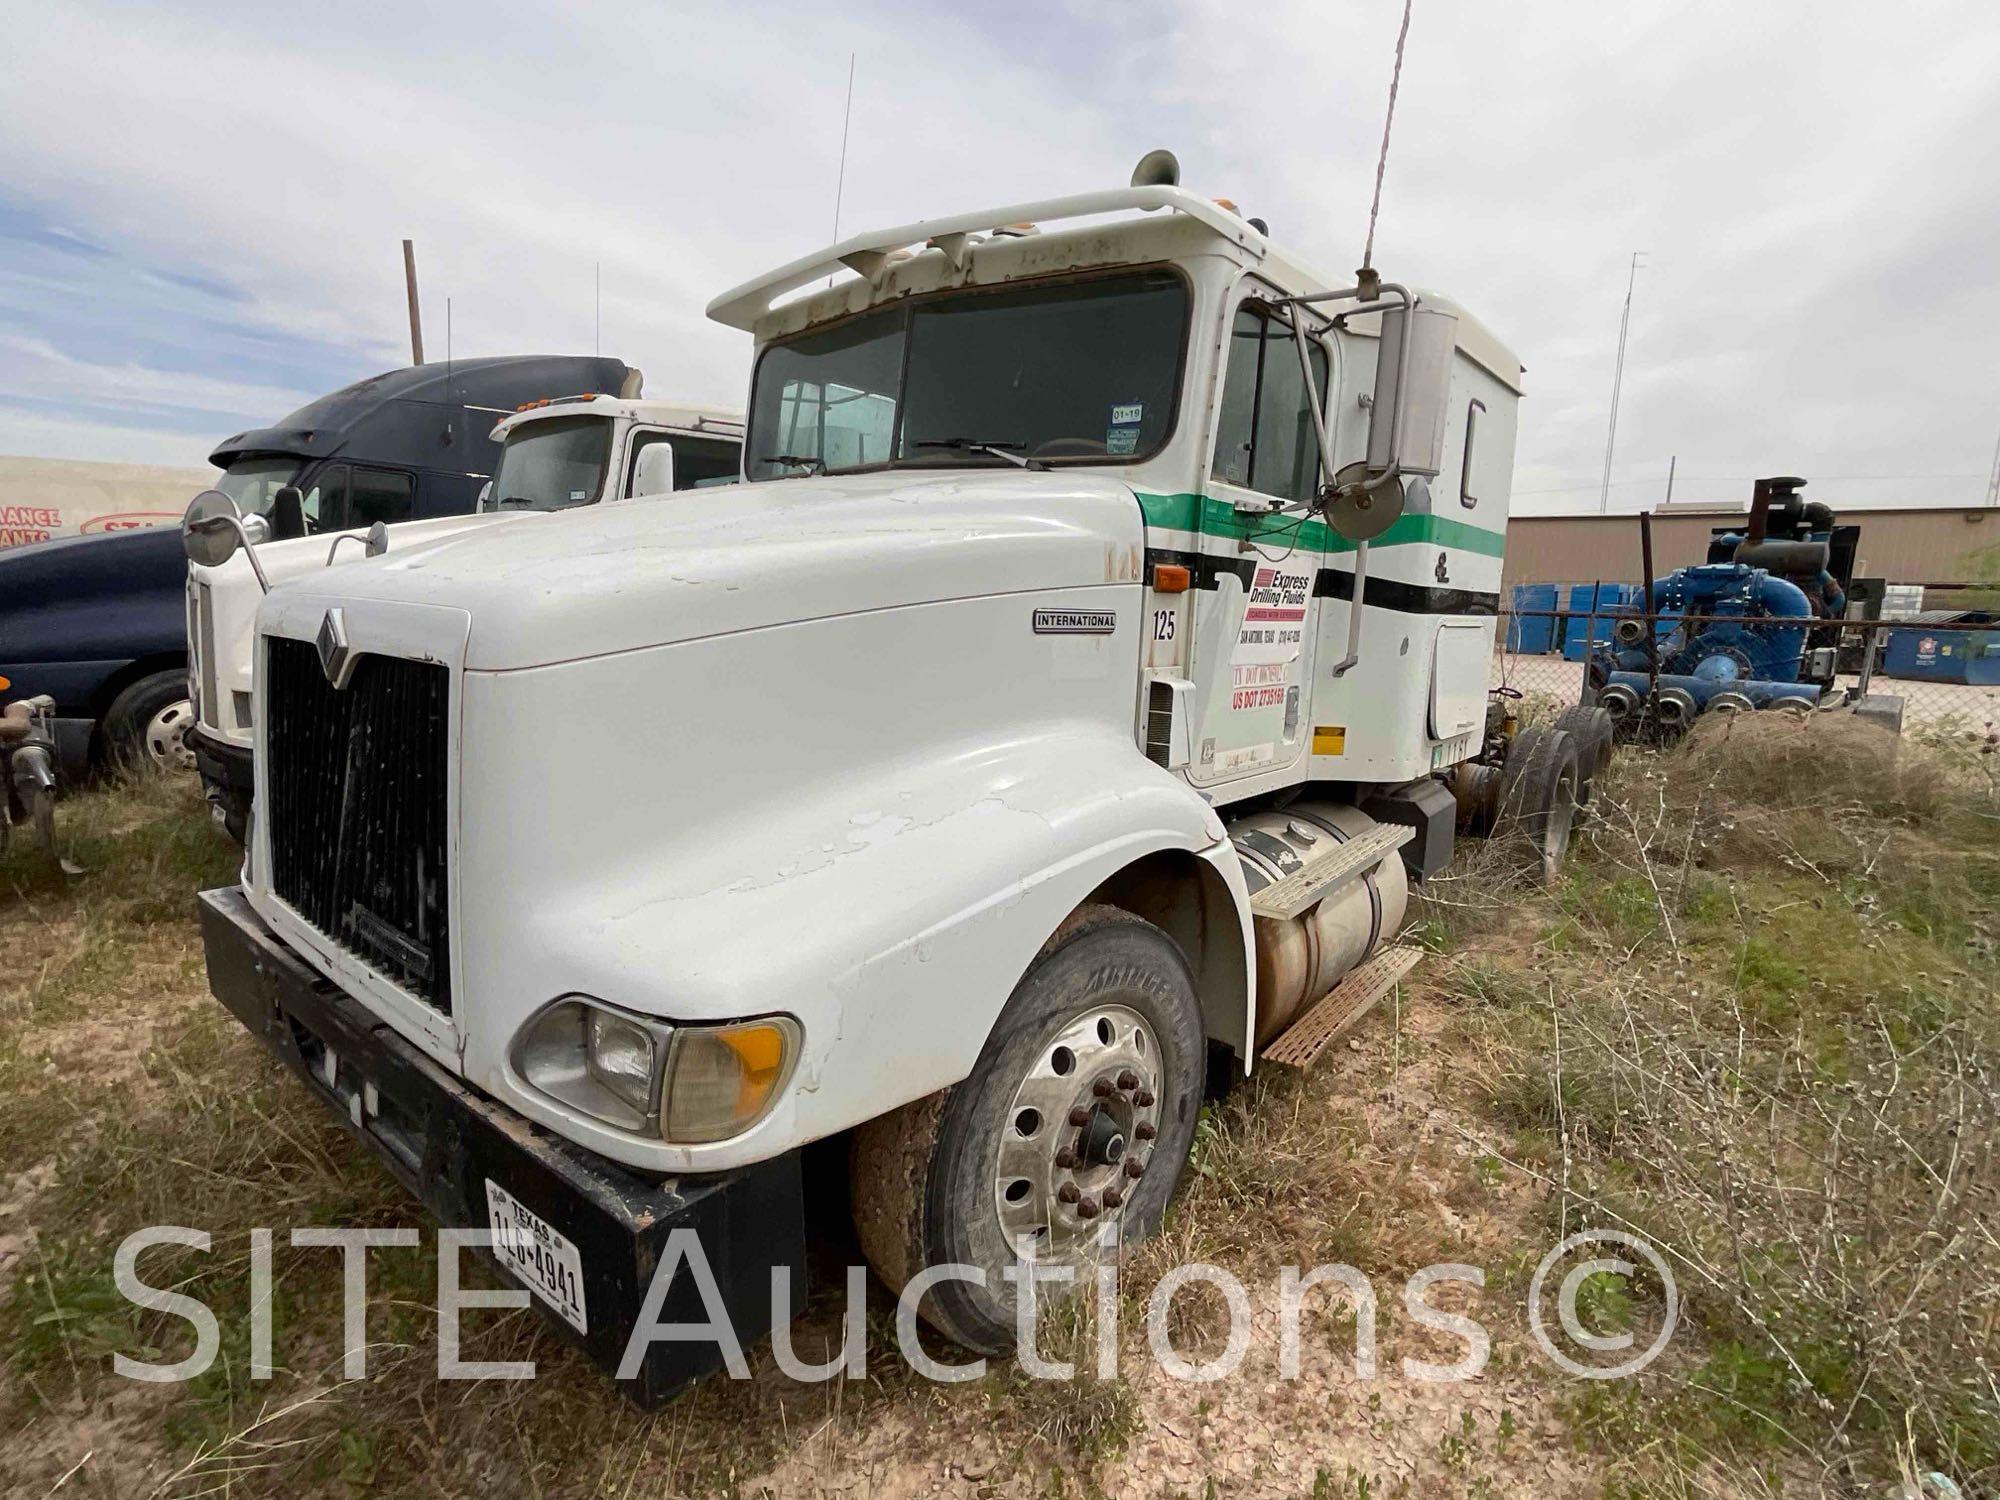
(200, 205)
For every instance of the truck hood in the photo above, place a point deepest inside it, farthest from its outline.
(73, 570)
(711, 562)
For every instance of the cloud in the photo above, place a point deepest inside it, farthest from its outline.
(219, 199)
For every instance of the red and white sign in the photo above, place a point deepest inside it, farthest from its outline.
(1271, 637)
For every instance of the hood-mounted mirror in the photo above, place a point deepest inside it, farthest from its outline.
(213, 528)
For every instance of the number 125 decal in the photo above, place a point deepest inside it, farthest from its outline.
(1163, 624)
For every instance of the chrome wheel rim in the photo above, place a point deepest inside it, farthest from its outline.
(166, 737)
(1078, 1136)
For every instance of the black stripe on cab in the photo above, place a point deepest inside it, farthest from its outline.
(1408, 598)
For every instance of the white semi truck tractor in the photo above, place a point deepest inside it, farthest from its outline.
(555, 454)
(1097, 651)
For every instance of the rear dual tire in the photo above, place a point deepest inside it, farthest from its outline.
(1539, 794)
(1594, 732)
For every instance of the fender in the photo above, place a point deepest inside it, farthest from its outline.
(889, 899)
(894, 936)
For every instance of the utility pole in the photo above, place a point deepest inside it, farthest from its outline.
(410, 287)
(1993, 481)
(1672, 464)
(1617, 381)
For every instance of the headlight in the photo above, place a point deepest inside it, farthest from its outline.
(686, 1083)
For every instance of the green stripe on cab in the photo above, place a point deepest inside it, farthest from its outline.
(1208, 516)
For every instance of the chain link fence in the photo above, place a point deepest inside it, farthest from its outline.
(1945, 670)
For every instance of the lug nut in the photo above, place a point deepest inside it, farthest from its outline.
(1113, 1198)
(1069, 1192)
(1102, 1088)
(1079, 1116)
(1128, 1079)
(1087, 1209)
(1144, 1098)
(1066, 1158)
(1144, 1130)
(1134, 1168)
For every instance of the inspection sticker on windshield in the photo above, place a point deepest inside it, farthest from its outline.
(526, 1244)
(1122, 437)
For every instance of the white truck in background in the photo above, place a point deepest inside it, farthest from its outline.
(1096, 651)
(556, 454)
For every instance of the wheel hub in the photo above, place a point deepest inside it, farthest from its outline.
(1103, 1142)
(1078, 1135)
(166, 737)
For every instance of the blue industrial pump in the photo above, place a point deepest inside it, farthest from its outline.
(1737, 631)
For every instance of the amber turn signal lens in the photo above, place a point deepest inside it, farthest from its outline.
(1171, 578)
(723, 1079)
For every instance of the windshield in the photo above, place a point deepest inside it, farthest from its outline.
(252, 482)
(1087, 371)
(552, 464)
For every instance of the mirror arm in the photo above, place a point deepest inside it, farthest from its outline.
(345, 536)
(235, 524)
(1314, 402)
(1346, 664)
(1408, 303)
(1394, 469)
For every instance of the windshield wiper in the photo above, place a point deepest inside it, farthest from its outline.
(995, 450)
(795, 461)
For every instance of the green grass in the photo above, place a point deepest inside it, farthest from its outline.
(1761, 1025)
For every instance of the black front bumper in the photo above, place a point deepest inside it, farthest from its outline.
(445, 1142)
(229, 775)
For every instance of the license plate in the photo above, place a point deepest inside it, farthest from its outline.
(526, 1244)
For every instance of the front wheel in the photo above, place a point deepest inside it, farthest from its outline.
(1068, 1138)
(147, 724)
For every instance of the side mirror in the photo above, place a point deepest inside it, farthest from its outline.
(212, 529)
(654, 473)
(378, 539)
(288, 513)
(1363, 506)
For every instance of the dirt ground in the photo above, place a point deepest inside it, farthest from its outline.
(1506, 1095)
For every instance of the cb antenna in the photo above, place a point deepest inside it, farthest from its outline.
(840, 180)
(1366, 275)
(1618, 383)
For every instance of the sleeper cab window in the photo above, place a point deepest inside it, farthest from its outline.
(380, 495)
(1264, 438)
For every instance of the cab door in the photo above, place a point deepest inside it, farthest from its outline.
(1254, 630)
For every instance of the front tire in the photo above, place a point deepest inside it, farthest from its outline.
(1069, 1136)
(147, 724)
